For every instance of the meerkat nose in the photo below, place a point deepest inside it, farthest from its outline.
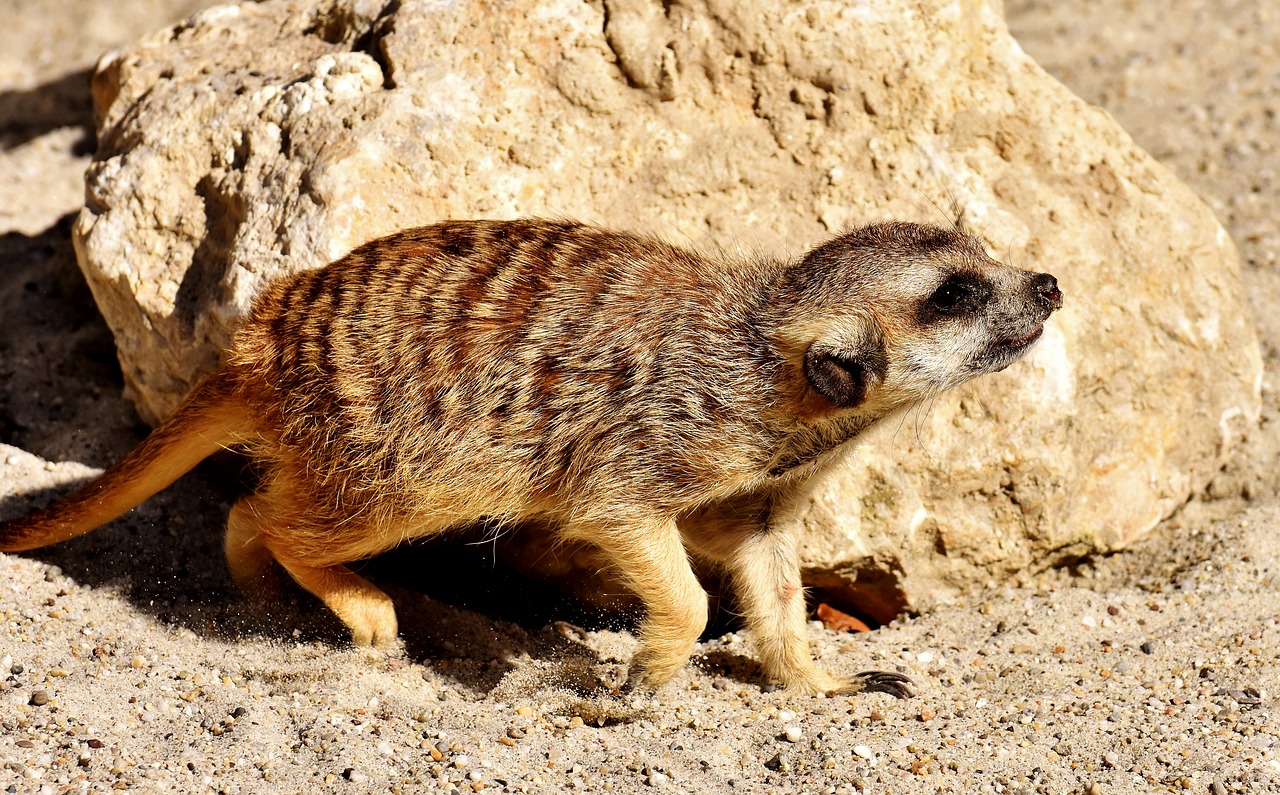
(1045, 290)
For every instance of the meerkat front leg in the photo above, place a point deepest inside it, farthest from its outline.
(248, 558)
(764, 569)
(753, 540)
(765, 572)
(652, 559)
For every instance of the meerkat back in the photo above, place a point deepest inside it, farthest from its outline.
(491, 369)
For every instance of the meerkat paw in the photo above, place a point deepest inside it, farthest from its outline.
(656, 665)
(636, 686)
(813, 682)
(366, 609)
(260, 588)
(644, 680)
(817, 681)
(372, 622)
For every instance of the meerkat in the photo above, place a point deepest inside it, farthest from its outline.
(652, 401)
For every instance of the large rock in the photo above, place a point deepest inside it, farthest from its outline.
(258, 139)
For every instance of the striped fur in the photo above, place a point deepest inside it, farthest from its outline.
(627, 392)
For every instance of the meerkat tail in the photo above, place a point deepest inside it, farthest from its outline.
(210, 419)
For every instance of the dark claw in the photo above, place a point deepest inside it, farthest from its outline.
(1248, 698)
(894, 684)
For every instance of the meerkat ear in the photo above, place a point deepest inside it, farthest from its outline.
(843, 375)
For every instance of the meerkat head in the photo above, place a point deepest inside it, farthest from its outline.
(890, 314)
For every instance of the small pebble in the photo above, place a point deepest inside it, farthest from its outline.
(793, 734)
(657, 779)
(1148, 647)
(39, 698)
(864, 752)
(778, 762)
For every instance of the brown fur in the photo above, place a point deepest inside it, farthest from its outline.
(630, 393)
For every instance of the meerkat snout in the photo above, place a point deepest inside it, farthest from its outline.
(1015, 329)
(1044, 288)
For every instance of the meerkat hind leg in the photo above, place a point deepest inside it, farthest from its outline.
(364, 607)
(262, 527)
(248, 558)
(652, 559)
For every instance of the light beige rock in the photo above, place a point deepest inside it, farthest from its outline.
(258, 139)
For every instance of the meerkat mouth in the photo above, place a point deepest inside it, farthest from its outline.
(1007, 351)
(1018, 343)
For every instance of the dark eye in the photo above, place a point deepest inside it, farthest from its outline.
(960, 294)
(952, 293)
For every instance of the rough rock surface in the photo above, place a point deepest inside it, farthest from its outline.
(262, 138)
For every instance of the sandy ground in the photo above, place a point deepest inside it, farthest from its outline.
(127, 662)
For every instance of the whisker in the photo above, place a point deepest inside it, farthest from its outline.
(922, 413)
(901, 421)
